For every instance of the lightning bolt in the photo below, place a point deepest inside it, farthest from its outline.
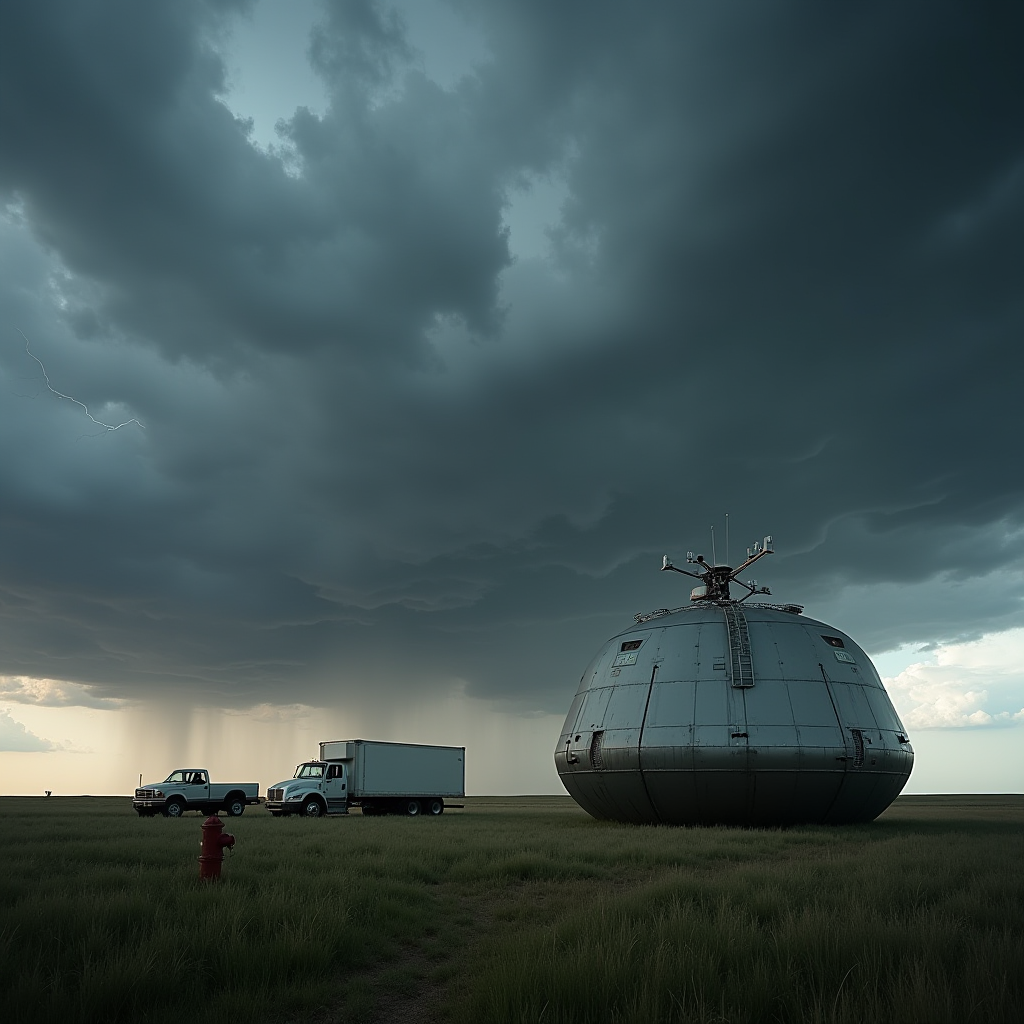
(69, 398)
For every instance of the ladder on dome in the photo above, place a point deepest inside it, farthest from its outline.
(739, 646)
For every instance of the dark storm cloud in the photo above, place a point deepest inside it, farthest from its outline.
(380, 450)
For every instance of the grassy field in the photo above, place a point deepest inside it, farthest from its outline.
(513, 910)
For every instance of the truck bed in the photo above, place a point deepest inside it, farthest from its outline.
(219, 790)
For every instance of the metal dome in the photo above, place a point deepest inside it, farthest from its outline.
(723, 712)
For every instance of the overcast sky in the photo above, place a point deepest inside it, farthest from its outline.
(427, 328)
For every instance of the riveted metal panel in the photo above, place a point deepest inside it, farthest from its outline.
(775, 799)
(768, 703)
(679, 652)
(667, 749)
(724, 796)
(672, 704)
(773, 735)
(853, 707)
(594, 708)
(673, 793)
(882, 710)
(711, 702)
(811, 702)
(626, 706)
(765, 652)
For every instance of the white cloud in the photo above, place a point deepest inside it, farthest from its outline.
(976, 684)
(15, 737)
(53, 693)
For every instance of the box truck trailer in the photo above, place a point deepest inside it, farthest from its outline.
(378, 777)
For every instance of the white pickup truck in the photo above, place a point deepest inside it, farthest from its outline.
(190, 789)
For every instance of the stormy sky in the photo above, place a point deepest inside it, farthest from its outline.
(426, 328)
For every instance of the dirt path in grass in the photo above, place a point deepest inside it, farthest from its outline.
(417, 985)
(395, 998)
(474, 918)
(412, 987)
(401, 1006)
(478, 915)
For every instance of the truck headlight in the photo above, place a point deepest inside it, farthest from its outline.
(293, 796)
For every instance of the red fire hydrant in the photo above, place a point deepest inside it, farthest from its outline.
(211, 847)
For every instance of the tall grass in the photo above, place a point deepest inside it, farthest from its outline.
(914, 918)
(513, 910)
(104, 918)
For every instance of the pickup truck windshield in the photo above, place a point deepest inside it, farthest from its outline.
(187, 777)
(309, 771)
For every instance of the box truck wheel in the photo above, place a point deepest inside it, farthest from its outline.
(412, 808)
(312, 808)
(436, 807)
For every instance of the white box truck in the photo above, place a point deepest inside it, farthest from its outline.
(380, 778)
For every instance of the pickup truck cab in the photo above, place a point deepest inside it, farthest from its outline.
(190, 789)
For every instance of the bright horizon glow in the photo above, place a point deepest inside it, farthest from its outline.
(957, 703)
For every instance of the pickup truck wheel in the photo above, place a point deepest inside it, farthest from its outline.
(175, 808)
(312, 808)
(412, 808)
(436, 807)
(236, 807)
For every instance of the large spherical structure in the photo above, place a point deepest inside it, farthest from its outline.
(724, 712)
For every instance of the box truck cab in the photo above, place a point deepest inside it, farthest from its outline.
(316, 788)
(378, 777)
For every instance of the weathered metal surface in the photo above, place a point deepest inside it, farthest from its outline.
(784, 721)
